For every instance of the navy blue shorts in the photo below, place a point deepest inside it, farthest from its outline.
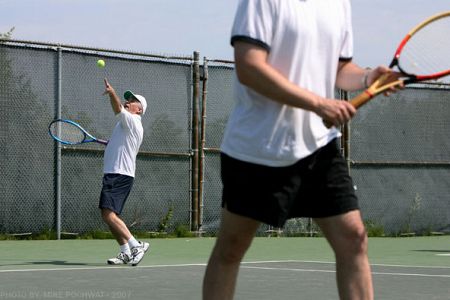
(317, 186)
(115, 191)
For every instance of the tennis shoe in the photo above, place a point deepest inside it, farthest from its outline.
(120, 259)
(137, 253)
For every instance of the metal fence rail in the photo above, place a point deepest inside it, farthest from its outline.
(398, 148)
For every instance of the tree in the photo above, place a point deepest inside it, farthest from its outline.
(27, 154)
(7, 35)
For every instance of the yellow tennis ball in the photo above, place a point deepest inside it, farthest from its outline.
(100, 63)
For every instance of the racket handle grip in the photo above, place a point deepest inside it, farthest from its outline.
(357, 102)
(100, 141)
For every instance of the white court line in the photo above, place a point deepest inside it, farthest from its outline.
(331, 262)
(379, 265)
(243, 266)
(289, 269)
(99, 268)
(412, 274)
(332, 271)
(411, 266)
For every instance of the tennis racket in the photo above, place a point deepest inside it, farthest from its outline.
(422, 55)
(68, 132)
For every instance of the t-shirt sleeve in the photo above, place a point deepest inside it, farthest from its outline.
(254, 23)
(347, 42)
(127, 121)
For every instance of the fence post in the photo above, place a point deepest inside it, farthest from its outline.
(195, 135)
(58, 146)
(204, 79)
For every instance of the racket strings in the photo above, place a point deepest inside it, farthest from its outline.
(67, 132)
(428, 50)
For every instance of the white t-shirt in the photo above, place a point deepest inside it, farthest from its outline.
(305, 40)
(122, 148)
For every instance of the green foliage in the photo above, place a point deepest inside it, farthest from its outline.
(46, 234)
(165, 221)
(414, 208)
(13, 237)
(183, 231)
(373, 229)
(97, 235)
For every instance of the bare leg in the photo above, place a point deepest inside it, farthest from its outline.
(235, 236)
(116, 225)
(347, 236)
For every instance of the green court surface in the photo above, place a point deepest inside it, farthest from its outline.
(274, 268)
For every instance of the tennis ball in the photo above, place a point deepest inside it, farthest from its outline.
(100, 63)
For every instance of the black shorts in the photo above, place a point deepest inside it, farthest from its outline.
(115, 191)
(317, 186)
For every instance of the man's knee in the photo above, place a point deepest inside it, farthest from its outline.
(107, 215)
(355, 241)
(232, 250)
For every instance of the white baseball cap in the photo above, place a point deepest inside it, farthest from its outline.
(140, 98)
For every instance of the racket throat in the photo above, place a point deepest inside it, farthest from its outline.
(368, 93)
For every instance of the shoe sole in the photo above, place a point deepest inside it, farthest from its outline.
(111, 263)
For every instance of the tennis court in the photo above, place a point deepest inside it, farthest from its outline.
(274, 268)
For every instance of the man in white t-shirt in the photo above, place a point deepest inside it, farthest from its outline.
(119, 171)
(278, 159)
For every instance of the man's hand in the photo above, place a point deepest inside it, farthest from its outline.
(335, 112)
(115, 100)
(109, 90)
(379, 71)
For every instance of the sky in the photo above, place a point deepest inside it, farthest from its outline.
(180, 27)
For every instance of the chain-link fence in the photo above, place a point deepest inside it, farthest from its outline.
(399, 154)
(46, 186)
(398, 147)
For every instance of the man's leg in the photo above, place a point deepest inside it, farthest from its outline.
(234, 238)
(347, 236)
(123, 236)
(116, 225)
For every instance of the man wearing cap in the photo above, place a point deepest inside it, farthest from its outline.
(119, 170)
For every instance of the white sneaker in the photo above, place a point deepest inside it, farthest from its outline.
(137, 253)
(120, 259)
